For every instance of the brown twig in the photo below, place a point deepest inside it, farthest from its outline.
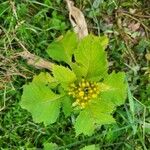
(32, 59)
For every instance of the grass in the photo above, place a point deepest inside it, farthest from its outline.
(36, 24)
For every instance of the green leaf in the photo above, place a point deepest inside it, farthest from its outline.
(89, 147)
(91, 60)
(96, 113)
(69, 42)
(50, 146)
(43, 78)
(103, 41)
(117, 88)
(64, 75)
(67, 106)
(100, 110)
(57, 52)
(102, 106)
(33, 148)
(62, 50)
(84, 124)
(40, 100)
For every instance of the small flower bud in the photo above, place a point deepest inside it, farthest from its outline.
(87, 84)
(79, 89)
(95, 89)
(81, 93)
(85, 98)
(83, 85)
(90, 91)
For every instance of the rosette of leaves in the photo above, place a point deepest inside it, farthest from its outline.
(79, 85)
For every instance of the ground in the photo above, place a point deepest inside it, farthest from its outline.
(36, 24)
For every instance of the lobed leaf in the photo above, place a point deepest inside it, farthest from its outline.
(67, 106)
(117, 91)
(64, 75)
(44, 78)
(90, 57)
(57, 52)
(96, 113)
(62, 50)
(40, 100)
(84, 124)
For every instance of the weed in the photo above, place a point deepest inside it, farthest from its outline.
(36, 24)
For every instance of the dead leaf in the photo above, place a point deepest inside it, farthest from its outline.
(134, 26)
(132, 11)
(77, 20)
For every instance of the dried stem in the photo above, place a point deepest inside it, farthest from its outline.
(34, 60)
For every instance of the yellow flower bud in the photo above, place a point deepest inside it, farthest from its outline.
(77, 100)
(87, 84)
(79, 89)
(80, 84)
(81, 93)
(95, 89)
(92, 85)
(83, 84)
(85, 98)
(90, 91)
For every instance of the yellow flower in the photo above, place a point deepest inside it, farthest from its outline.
(83, 92)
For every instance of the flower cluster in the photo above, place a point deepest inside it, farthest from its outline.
(83, 92)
